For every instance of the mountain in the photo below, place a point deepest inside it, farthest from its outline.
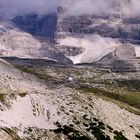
(72, 74)
(84, 38)
(17, 43)
(39, 101)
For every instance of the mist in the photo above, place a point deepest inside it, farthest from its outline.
(12, 8)
(103, 7)
(96, 7)
(132, 8)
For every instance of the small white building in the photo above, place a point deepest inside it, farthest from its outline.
(70, 79)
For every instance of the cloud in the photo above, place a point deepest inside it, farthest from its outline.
(131, 8)
(103, 7)
(12, 8)
(96, 7)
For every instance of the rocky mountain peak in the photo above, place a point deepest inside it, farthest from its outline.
(59, 27)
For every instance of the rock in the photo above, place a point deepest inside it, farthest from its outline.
(56, 27)
(44, 26)
(16, 43)
(5, 136)
(123, 52)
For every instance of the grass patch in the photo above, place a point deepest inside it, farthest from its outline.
(132, 99)
(33, 71)
(133, 85)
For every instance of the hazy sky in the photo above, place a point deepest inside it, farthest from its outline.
(100, 7)
(11, 8)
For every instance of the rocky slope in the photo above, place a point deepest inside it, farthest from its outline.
(43, 96)
(16, 43)
(114, 31)
(14, 81)
(53, 107)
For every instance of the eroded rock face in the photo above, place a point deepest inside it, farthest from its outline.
(43, 26)
(17, 43)
(57, 27)
(123, 52)
(71, 51)
(121, 28)
(107, 26)
(61, 31)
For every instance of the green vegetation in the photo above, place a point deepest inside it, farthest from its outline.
(96, 128)
(132, 99)
(107, 85)
(133, 85)
(119, 136)
(93, 126)
(138, 136)
(70, 132)
(32, 71)
(3, 98)
(22, 94)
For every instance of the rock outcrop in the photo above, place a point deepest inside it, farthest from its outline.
(17, 43)
(42, 26)
(58, 27)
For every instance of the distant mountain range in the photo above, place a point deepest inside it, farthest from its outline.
(71, 38)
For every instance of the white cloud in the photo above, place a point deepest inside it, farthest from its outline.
(132, 8)
(11, 8)
(103, 7)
